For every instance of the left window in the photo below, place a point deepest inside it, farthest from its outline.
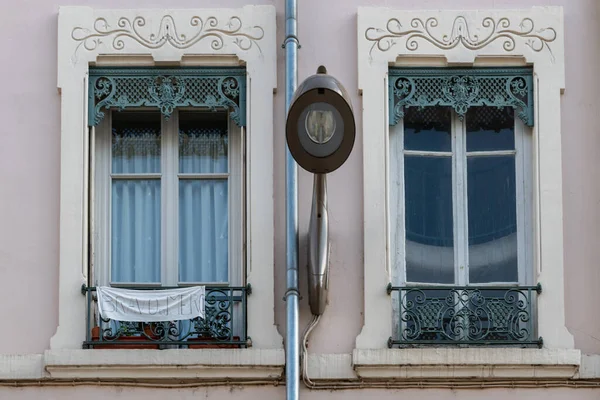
(167, 191)
(168, 198)
(114, 64)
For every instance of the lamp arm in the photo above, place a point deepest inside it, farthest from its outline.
(318, 247)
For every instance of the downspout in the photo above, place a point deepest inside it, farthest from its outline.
(292, 294)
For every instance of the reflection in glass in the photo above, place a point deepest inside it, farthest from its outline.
(428, 217)
(203, 231)
(490, 128)
(135, 226)
(202, 142)
(492, 219)
(135, 142)
(427, 129)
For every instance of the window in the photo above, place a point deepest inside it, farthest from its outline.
(419, 41)
(243, 41)
(460, 206)
(461, 227)
(169, 199)
(168, 191)
(458, 215)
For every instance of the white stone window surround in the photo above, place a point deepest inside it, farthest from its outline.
(196, 37)
(426, 38)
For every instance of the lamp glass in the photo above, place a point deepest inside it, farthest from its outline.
(320, 125)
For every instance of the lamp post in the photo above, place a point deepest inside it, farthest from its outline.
(320, 133)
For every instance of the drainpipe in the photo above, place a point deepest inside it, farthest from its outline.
(292, 294)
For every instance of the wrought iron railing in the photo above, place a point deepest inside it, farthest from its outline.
(224, 324)
(464, 315)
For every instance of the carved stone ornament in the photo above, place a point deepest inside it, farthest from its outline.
(493, 29)
(461, 89)
(166, 89)
(135, 30)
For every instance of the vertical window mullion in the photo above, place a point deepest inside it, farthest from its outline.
(234, 198)
(164, 150)
(459, 189)
(103, 191)
(231, 215)
(397, 204)
(169, 200)
(520, 193)
(173, 268)
(397, 222)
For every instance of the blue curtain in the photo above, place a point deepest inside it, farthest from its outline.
(136, 201)
(203, 204)
(135, 224)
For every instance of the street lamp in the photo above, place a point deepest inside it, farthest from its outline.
(320, 132)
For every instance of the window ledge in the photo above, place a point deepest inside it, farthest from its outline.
(21, 366)
(501, 363)
(590, 367)
(220, 364)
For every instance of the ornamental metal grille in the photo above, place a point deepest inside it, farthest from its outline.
(224, 325)
(461, 89)
(166, 89)
(467, 315)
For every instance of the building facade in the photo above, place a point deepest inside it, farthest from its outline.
(462, 224)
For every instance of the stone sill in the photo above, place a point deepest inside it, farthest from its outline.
(218, 364)
(487, 363)
(267, 365)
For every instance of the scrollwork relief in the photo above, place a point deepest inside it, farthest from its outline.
(135, 30)
(425, 30)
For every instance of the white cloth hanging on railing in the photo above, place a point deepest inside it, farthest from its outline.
(151, 305)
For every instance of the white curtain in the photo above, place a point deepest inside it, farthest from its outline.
(203, 206)
(136, 206)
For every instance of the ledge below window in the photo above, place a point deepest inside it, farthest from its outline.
(488, 363)
(212, 365)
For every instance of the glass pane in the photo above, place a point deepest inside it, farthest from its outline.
(135, 225)
(429, 229)
(203, 231)
(490, 128)
(135, 142)
(492, 211)
(427, 129)
(202, 142)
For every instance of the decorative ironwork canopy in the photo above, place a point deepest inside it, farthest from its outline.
(167, 89)
(461, 89)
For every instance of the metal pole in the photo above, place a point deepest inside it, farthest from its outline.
(318, 247)
(292, 294)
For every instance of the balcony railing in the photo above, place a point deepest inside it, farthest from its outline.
(464, 315)
(224, 324)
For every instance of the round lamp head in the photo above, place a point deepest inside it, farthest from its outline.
(320, 128)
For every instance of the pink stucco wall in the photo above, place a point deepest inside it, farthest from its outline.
(29, 177)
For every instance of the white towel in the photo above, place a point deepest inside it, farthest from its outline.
(151, 305)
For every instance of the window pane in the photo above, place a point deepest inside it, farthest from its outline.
(490, 128)
(202, 142)
(203, 231)
(429, 229)
(427, 129)
(492, 219)
(135, 239)
(135, 142)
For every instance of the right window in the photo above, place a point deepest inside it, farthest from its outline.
(461, 212)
